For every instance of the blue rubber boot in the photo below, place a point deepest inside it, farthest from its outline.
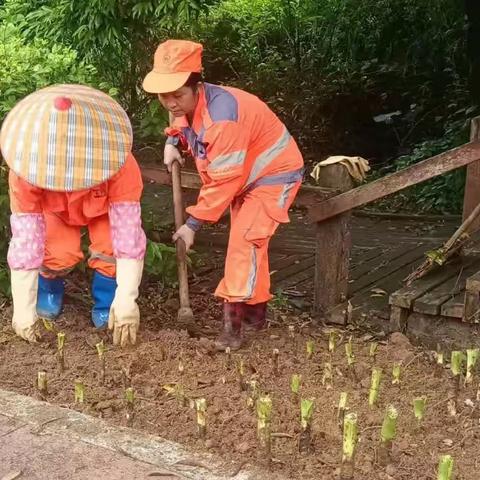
(50, 297)
(103, 291)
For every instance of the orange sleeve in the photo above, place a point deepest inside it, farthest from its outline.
(127, 184)
(227, 145)
(24, 197)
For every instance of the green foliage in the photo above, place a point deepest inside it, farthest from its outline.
(366, 38)
(442, 194)
(279, 300)
(161, 263)
(118, 38)
(27, 67)
(153, 122)
(329, 67)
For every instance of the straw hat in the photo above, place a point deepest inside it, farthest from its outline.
(66, 138)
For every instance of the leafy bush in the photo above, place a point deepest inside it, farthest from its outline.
(117, 37)
(153, 122)
(330, 67)
(26, 67)
(443, 194)
(161, 262)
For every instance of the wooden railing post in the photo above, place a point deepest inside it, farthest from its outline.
(332, 250)
(472, 182)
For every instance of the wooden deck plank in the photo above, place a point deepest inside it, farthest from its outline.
(304, 278)
(358, 258)
(372, 300)
(405, 296)
(473, 282)
(471, 312)
(279, 261)
(432, 301)
(385, 256)
(362, 255)
(388, 268)
(289, 273)
(454, 307)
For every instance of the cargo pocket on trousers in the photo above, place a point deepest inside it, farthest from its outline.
(263, 226)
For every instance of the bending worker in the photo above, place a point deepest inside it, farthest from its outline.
(69, 152)
(247, 161)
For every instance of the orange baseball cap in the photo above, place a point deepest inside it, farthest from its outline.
(173, 63)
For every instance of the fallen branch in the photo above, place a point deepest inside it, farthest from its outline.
(445, 252)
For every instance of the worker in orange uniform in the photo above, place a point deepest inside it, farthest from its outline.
(69, 152)
(247, 160)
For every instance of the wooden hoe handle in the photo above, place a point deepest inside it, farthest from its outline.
(180, 244)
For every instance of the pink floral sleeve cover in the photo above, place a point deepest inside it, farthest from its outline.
(27, 245)
(128, 237)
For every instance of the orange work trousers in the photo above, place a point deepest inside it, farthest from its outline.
(63, 248)
(254, 218)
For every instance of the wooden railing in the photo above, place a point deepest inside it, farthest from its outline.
(307, 196)
(420, 172)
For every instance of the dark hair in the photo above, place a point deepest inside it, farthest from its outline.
(193, 80)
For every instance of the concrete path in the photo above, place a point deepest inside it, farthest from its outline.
(27, 453)
(39, 441)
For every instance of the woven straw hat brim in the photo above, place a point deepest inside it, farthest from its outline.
(66, 149)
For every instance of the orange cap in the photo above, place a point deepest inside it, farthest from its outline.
(173, 63)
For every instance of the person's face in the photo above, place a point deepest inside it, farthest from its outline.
(180, 102)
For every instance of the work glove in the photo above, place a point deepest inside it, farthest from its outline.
(172, 154)
(24, 293)
(124, 317)
(186, 234)
(357, 166)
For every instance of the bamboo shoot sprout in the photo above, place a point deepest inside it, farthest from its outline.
(201, 408)
(342, 408)
(79, 391)
(388, 434)
(61, 350)
(42, 383)
(306, 416)
(419, 405)
(445, 468)
(130, 405)
(374, 386)
(264, 420)
(350, 433)
(472, 357)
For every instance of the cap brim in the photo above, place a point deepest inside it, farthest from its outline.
(164, 82)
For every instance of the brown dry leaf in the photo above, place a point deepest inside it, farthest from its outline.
(169, 388)
(163, 473)
(12, 475)
(378, 292)
(448, 442)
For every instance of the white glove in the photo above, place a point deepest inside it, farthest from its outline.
(24, 293)
(357, 166)
(124, 318)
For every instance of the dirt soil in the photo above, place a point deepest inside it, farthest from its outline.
(231, 424)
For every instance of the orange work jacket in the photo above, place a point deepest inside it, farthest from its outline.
(237, 143)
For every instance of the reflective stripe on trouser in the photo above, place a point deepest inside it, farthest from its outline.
(63, 251)
(254, 219)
